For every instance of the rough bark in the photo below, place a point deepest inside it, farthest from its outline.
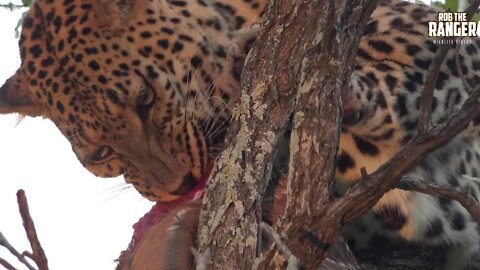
(302, 60)
(314, 141)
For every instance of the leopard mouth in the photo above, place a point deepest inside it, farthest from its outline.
(189, 183)
(190, 189)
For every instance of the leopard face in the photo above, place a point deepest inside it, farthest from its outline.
(139, 88)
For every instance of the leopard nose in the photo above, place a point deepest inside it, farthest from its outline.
(188, 183)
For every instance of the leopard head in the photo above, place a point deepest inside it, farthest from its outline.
(139, 88)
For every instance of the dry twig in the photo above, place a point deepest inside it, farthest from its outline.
(432, 75)
(461, 195)
(467, 85)
(4, 242)
(368, 191)
(273, 236)
(7, 265)
(363, 195)
(425, 118)
(38, 255)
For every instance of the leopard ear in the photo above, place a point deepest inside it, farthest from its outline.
(15, 97)
(114, 15)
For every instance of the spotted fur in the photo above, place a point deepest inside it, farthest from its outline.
(143, 89)
(139, 88)
(381, 116)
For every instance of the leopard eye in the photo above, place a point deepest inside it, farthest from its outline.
(145, 101)
(101, 154)
(146, 97)
(351, 117)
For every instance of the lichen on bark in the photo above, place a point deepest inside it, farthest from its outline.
(294, 57)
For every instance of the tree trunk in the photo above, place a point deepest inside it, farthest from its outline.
(297, 70)
(299, 66)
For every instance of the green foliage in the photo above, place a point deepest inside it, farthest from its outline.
(438, 4)
(476, 17)
(447, 5)
(451, 5)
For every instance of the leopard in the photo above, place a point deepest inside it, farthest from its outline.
(140, 88)
(144, 89)
(381, 116)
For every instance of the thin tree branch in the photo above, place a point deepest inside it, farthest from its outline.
(451, 103)
(12, 6)
(472, 9)
(4, 242)
(37, 250)
(461, 195)
(425, 119)
(274, 237)
(367, 192)
(467, 85)
(28, 255)
(6, 264)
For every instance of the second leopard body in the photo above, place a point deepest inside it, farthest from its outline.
(386, 111)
